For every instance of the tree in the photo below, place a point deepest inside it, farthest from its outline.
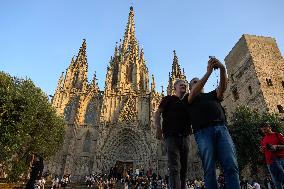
(28, 125)
(246, 135)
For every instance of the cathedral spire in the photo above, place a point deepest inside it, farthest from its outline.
(153, 84)
(82, 56)
(174, 75)
(127, 70)
(60, 83)
(176, 71)
(94, 84)
(129, 40)
(142, 58)
(116, 50)
(76, 74)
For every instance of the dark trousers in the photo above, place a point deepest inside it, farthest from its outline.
(31, 183)
(177, 152)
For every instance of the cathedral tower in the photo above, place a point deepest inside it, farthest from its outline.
(126, 133)
(174, 75)
(256, 76)
(80, 103)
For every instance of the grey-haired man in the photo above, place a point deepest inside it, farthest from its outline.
(175, 130)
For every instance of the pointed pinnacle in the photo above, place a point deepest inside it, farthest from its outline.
(84, 44)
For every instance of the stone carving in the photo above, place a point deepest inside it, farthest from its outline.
(128, 113)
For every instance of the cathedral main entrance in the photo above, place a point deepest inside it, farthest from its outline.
(124, 147)
(123, 166)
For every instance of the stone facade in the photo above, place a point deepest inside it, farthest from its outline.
(256, 76)
(114, 126)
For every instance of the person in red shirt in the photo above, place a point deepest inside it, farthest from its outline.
(272, 145)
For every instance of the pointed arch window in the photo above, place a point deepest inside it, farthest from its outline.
(76, 76)
(70, 110)
(235, 94)
(250, 89)
(269, 82)
(280, 109)
(129, 72)
(232, 77)
(90, 116)
(87, 142)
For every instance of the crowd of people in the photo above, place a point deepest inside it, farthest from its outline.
(138, 179)
(135, 181)
(141, 180)
(58, 182)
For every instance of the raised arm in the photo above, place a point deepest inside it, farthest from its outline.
(197, 87)
(223, 80)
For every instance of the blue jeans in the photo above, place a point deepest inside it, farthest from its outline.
(215, 143)
(177, 152)
(277, 183)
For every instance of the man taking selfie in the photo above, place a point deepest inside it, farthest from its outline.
(210, 131)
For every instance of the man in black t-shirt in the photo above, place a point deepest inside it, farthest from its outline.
(175, 130)
(209, 126)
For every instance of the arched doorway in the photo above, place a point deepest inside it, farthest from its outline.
(126, 147)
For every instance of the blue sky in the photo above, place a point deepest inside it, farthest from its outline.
(38, 38)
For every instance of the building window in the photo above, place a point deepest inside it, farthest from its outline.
(280, 109)
(283, 84)
(269, 82)
(232, 77)
(235, 94)
(250, 89)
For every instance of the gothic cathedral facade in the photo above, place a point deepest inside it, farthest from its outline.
(114, 126)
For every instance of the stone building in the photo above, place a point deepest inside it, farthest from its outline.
(114, 126)
(255, 70)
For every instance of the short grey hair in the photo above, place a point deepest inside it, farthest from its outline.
(178, 81)
(191, 82)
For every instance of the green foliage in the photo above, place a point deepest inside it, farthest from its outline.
(246, 134)
(28, 125)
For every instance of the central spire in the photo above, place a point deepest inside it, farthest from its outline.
(129, 40)
(176, 71)
(127, 71)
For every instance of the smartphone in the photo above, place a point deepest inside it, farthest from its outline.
(210, 57)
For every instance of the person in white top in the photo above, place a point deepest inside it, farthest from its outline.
(256, 185)
(249, 186)
(41, 183)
